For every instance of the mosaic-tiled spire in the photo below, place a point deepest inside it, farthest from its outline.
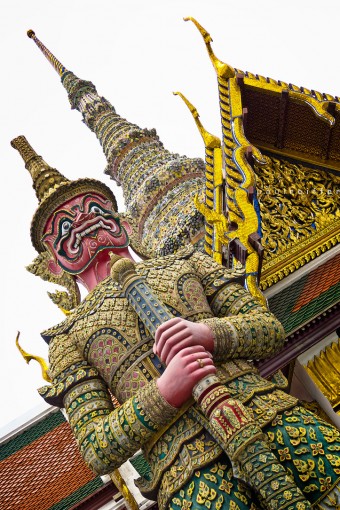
(158, 186)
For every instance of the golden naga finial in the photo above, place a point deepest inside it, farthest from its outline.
(212, 209)
(223, 70)
(28, 357)
(210, 141)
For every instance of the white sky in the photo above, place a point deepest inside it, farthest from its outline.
(136, 53)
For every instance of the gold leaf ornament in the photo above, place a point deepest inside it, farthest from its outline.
(65, 300)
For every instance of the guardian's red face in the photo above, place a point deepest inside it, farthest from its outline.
(81, 228)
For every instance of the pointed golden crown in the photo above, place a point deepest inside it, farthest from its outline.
(52, 188)
(45, 178)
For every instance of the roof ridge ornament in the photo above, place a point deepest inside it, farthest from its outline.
(223, 70)
(28, 357)
(216, 222)
(237, 157)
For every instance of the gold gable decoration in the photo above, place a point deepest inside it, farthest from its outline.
(300, 215)
(231, 220)
(298, 199)
(324, 369)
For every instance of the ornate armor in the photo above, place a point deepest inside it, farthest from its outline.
(104, 346)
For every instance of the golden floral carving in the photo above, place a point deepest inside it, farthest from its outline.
(66, 301)
(300, 217)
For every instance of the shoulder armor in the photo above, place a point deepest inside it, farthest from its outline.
(160, 262)
(104, 290)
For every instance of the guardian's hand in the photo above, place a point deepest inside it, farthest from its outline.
(183, 372)
(177, 334)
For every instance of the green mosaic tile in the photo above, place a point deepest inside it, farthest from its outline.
(141, 465)
(312, 309)
(28, 436)
(78, 495)
(282, 304)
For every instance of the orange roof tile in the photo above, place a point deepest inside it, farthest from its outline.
(43, 472)
(319, 280)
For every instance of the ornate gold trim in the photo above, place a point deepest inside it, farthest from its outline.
(28, 357)
(317, 101)
(118, 480)
(324, 369)
(322, 164)
(298, 255)
(242, 220)
(66, 301)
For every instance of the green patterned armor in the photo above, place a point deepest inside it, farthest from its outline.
(104, 346)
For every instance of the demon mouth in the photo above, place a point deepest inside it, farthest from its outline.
(89, 230)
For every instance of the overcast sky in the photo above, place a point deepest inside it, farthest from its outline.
(136, 53)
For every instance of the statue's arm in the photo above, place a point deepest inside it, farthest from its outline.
(242, 328)
(106, 437)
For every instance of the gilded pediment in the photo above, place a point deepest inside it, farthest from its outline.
(300, 214)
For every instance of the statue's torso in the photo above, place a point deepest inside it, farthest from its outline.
(113, 338)
(108, 334)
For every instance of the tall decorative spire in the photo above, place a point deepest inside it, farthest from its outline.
(158, 187)
(58, 66)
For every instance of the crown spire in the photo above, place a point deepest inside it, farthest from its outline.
(52, 188)
(45, 178)
(58, 66)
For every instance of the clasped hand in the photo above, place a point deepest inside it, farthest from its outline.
(185, 348)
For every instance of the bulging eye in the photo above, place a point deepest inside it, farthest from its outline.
(65, 228)
(96, 209)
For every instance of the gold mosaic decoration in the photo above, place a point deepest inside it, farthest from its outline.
(66, 301)
(324, 369)
(242, 220)
(300, 216)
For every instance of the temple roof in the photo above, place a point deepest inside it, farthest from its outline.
(309, 296)
(41, 468)
(324, 369)
(298, 189)
(291, 120)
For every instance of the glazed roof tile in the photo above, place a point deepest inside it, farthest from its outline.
(31, 434)
(319, 280)
(141, 465)
(44, 461)
(308, 297)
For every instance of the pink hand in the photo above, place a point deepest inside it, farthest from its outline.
(184, 371)
(177, 334)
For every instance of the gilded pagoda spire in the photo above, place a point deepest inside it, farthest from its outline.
(45, 179)
(58, 66)
(158, 187)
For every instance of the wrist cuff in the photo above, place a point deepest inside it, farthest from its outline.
(154, 404)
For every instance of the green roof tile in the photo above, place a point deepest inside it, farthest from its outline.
(31, 434)
(283, 303)
(312, 309)
(141, 465)
(78, 495)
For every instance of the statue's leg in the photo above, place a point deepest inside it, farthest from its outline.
(214, 487)
(309, 449)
